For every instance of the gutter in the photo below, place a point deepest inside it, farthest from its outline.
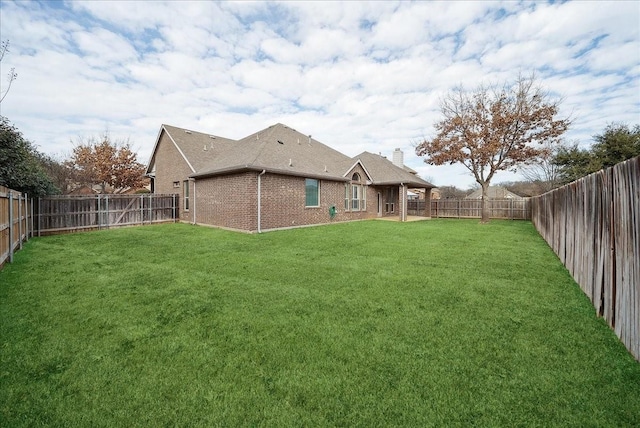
(260, 200)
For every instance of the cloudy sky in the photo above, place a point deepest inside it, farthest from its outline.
(356, 75)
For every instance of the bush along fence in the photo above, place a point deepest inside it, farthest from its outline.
(21, 217)
(513, 209)
(593, 225)
(16, 222)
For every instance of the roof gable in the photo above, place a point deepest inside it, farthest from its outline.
(383, 171)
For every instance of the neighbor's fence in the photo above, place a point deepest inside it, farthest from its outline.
(63, 214)
(593, 225)
(472, 208)
(16, 224)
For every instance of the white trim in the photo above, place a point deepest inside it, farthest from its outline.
(363, 168)
(155, 147)
(180, 151)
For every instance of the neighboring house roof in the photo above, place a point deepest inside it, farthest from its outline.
(494, 192)
(277, 149)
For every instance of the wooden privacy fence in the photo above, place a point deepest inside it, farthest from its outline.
(593, 225)
(63, 214)
(16, 225)
(514, 209)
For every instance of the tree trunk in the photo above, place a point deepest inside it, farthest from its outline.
(485, 204)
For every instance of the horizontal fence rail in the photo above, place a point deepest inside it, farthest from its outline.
(16, 224)
(593, 225)
(513, 209)
(63, 214)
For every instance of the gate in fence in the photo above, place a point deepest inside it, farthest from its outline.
(62, 214)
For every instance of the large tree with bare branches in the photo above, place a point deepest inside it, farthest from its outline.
(494, 128)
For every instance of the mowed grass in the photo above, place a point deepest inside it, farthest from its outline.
(433, 323)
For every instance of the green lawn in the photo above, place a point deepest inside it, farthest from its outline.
(432, 323)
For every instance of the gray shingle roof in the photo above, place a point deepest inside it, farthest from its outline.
(383, 171)
(281, 149)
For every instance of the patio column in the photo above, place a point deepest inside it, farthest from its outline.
(403, 202)
(427, 203)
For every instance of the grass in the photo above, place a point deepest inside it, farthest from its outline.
(435, 323)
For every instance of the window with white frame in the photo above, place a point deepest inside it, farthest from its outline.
(356, 194)
(347, 206)
(355, 197)
(312, 192)
(185, 184)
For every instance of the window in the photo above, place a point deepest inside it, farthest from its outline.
(312, 192)
(176, 184)
(355, 197)
(185, 184)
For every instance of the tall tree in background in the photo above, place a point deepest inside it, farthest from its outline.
(20, 163)
(493, 129)
(111, 165)
(616, 144)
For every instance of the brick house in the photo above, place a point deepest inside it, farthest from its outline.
(275, 178)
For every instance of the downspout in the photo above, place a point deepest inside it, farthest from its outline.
(404, 204)
(259, 200)
(193, 202)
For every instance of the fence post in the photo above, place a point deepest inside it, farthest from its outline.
(10, 227)
(26, 220)
(20, 221)
(39, 216)
(106, 208)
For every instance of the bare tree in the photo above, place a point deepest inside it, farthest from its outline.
(494, 128)
(543, 171)
(4, 48)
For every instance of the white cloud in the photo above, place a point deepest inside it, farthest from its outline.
(357, 75)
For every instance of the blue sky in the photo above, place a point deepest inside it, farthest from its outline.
(356, 75)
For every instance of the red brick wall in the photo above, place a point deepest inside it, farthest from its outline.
(228, 201)
(171, 167)
(283, 203)
(231, 201)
